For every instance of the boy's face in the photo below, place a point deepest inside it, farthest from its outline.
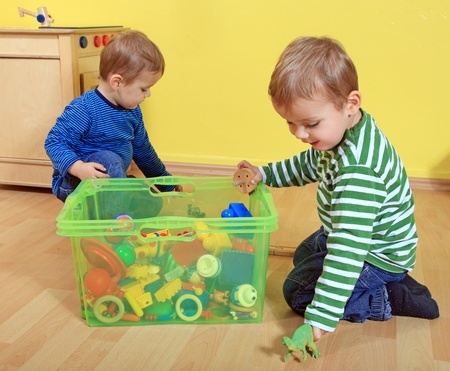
(318, 122)
(132, 94)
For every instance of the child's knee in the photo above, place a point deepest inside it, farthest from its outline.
(113, 163)
(297, 296)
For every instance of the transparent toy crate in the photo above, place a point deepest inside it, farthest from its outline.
(144, 258)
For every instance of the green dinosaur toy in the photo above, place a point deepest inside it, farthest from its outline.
(302, 338)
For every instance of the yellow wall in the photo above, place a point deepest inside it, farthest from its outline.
(212, 106)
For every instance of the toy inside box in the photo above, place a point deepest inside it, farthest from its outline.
(143, 258)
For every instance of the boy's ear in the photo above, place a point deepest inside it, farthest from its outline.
(115, 80)
(353, 102)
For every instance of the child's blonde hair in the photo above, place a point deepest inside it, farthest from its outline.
(310, 66)
(127, 54)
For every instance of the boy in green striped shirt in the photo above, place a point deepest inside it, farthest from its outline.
(355, 266)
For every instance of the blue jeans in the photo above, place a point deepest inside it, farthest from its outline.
(113, 163)
(137, 204)
(369, 299)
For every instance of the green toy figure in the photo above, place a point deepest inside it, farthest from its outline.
(302, 338)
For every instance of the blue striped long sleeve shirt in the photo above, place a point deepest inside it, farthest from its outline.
(90, 123)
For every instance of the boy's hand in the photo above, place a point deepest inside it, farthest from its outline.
(247, 165)
(318, 333)
(88, 170)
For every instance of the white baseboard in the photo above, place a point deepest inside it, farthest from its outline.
(430, 184)
(179, 168)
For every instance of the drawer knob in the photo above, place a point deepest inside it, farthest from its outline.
(97, 41)
(105, 39)
(83, 42)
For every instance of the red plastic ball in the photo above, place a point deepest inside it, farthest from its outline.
(97, 281)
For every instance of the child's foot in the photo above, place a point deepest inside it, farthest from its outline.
(411, 299)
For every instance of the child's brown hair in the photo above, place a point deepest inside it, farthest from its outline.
(310, 66)
(128, 53)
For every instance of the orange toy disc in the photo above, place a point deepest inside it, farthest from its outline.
(242, 180)
(101, 256)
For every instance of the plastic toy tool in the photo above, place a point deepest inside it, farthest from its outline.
(303, 338)
(41, 16)
(242, 180)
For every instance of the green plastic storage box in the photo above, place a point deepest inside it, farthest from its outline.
(144, 257)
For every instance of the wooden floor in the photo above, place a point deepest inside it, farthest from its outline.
(41, 329)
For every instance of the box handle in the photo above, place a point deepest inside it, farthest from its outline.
(185, 185)
(175, 232)
(147, 234)
(189, 186)
(166, 233)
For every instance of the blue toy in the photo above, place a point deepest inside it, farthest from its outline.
(236, 210)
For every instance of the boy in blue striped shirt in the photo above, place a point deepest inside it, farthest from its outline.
(355, 266)
(102, 131)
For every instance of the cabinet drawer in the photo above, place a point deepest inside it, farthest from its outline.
(37, 46)
(34, 174)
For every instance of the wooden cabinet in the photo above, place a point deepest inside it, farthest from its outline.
(41, 71)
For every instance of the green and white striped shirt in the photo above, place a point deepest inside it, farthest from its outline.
(366, 207)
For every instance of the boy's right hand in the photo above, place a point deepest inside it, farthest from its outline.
(247, 165)
(88, 170)
(318, 333)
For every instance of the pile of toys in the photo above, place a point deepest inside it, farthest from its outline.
(195, 276)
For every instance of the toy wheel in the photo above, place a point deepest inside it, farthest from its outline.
(179, 309)
(242, 180)
(98, 313)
